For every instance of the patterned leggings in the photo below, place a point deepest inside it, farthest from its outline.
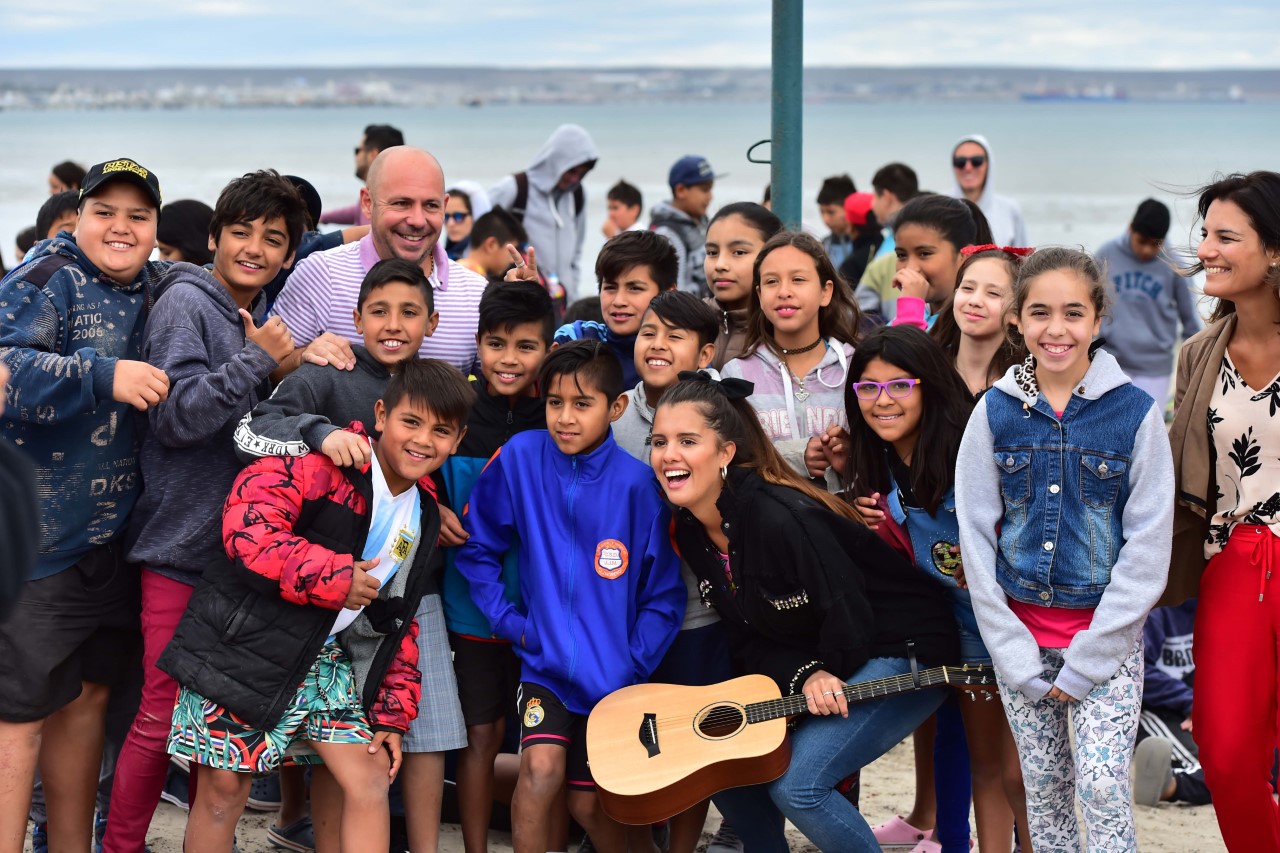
(1093, 772)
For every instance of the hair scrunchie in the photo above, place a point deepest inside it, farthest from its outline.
(734, 389)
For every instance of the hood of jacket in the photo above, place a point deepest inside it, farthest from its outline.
(202, 278)
(989, 186)
(1104, 375)
(666, 213)
(568, 146)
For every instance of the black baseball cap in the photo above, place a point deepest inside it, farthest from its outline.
(309, 197)
(122, 169)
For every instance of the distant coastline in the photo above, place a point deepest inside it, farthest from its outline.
(206, 88)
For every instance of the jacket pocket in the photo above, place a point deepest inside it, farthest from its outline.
(1015, 476)
(1100, 479)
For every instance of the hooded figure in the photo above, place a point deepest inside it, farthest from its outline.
(1002, 212)
(555, 210)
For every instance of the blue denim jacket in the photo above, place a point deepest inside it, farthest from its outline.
(1064, 483)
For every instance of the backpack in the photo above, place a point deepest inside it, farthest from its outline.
(522, 197)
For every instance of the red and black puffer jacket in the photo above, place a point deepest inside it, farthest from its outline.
(257, 621)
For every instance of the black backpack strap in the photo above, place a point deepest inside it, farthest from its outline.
(522, 196)
(42, 270)
(579, 199)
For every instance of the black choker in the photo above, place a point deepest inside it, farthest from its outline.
(799, 350)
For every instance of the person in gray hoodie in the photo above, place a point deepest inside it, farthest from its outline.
(203, 333)
(971, 162)
(1151, 307)
(1064, 495)
(549, 200)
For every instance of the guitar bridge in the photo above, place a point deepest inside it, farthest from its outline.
(649, 734)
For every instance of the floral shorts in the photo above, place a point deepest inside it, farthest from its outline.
(326, 709)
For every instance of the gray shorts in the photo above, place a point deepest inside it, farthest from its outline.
(438, 726)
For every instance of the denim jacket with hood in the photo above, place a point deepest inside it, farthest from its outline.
(1072, 512)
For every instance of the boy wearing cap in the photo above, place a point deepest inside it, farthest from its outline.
(865, 236)
(683, 219)
(71, 334)
(1151, 302)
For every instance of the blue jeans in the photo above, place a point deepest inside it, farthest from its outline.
(824, 750)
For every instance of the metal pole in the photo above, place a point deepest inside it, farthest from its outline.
(787, 153)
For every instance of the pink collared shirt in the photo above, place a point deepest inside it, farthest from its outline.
(320, 296)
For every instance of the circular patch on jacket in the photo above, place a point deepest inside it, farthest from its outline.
(534, 713)
(946, 558)
(611, 559)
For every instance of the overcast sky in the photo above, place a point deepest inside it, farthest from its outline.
(1129, 34)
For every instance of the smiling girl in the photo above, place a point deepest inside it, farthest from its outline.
(807, 595)
(734, 239)
(1064, 495)
(1226, 440)
(802, 328)
(929, 233)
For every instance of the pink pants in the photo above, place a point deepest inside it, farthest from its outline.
(143, 761)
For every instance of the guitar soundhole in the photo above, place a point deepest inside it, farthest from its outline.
(721, 721)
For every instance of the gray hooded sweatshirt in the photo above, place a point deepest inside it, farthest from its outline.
(1141, 566)
(1002, 212)
(196, 336)
(554, 227)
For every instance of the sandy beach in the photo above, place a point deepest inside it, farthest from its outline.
(887, 788)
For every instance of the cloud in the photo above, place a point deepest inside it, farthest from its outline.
(1125, 34)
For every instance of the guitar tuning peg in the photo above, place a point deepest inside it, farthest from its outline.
(972, 698)
(987, 696)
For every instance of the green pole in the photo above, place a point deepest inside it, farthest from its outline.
(786, 153)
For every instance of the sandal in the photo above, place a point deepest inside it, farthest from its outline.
(898, 833)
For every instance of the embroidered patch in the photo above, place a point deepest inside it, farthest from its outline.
(946, 558)
(404, 541)
(611, 559)
(534, 713)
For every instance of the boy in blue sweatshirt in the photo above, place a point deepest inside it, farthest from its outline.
(514, 334)
(598, 576)
(203, 333)
(71, 322)
(632, 268)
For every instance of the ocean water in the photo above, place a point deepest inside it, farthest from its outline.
(1077, 169)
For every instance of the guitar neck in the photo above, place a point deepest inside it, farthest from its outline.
(796, 704)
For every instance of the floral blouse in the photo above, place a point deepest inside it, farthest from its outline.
(1245, 431)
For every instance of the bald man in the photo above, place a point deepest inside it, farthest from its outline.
(404, 198)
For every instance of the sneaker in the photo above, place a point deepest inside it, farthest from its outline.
(725, 840)
(264, 794)
(1152, 770)
(176, 788)
(297, 836)
(40, 837)
(898, 833)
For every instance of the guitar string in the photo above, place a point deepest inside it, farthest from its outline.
(863, 691)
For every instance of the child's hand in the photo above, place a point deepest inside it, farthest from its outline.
(346, 449)
(867, 509)
(911, 283)
(332, 350)
(835, 447)
(959, 576)
(364, 586)
(139, 384)
(273, 336)
(524, 269)
(814, 459)
(608, 229)
(451, 532)
(1061, 695)
(390, 741)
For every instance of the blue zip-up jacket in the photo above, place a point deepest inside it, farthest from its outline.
(492, 423)
(598, 573)
(1083, 506)
(623, 348)
(61, 343)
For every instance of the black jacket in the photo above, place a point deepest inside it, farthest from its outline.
(255, 625)
(814, 590)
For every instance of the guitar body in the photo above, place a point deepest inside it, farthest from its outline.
(657, 749)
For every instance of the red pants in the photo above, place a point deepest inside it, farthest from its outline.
(143, 761)
(1234, 712)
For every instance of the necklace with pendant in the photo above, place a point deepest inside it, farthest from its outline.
(799, 350)
(800, 394)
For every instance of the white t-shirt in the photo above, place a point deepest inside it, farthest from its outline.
(395, 524)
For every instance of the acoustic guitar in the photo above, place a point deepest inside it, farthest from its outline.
(657, 749)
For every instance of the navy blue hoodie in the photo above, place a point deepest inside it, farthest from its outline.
(216, 377)
(61, 341)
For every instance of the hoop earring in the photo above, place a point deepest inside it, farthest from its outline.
(724, 472)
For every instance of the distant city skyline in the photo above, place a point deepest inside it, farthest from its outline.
(1093, 34)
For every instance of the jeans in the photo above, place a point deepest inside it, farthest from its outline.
(754, 818)
(824, 750)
